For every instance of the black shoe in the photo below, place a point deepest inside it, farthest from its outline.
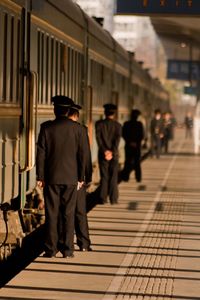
(114, 202)
(141, 187)
(85, 249)
(49, 255)
(68, 255)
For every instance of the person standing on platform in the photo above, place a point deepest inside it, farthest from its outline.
(133, 134)
(81, 222)
(188, 125)
(60, 168)
(108, 134)
(157, 133)
(168, 131)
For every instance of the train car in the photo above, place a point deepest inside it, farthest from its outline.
(52, 47)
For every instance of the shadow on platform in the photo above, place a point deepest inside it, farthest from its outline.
(32, 247)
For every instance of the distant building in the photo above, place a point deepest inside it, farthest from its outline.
(137, 35)
(100, 9)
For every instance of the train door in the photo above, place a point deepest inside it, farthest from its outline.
(28, 82)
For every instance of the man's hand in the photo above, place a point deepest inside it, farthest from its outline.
(40, 183)
(79, 185)
(41, 204)
(108, 155)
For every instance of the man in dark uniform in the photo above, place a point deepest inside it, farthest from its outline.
(133, 134)
(108, 134)
(60, 166)
(81, 222)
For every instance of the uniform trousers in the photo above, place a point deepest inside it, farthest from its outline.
(132, 162)
(109, 180)
(59, 198)
(81, 222)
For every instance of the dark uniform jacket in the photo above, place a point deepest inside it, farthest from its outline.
(61, 152)
(108, 134)
(133, 133)
(88, 159)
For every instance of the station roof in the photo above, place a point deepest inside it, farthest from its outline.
(179, 35)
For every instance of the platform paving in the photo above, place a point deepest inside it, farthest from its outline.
(146, 247)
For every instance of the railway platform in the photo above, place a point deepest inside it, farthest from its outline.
(145, 247)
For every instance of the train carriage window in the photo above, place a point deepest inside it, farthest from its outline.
(76, 87)
(94, 80)
(102, 74)
(73, 74)
(80, 76)
(70, 72)
(11, 58)
(62, 67)
(75, 64)
(39, 65)
(91, 76)
(47, 71)
(99, 87)
(123, 83)
(69, 82)
(99, 84)
(58, 72)
(95, 74)
(66, 70)
(91, 71)
(77, 76)
(17, 60)
(43, 95)
(98, 75)
(53, 75)
(73, 70)
(5, 56)
(1, 53)
(52, 68)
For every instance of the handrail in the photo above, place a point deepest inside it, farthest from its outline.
(30, 125)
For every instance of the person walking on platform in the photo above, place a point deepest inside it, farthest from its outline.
(108, 134)
(133, 134)
(60, 167)
(157, 133)
(81, 222)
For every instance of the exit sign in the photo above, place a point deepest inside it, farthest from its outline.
(169, 7)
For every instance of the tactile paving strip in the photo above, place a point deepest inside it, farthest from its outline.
(150, 276)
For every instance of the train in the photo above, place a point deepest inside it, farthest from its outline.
(52, 47)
